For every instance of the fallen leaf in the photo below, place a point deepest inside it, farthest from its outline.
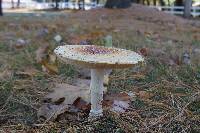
(50, 112)
(117, 102)
(71, 130)
(52, 58)
(48, 61)
(139, 76)
(144, 94)
(80, 104)
(119, 96)
(64, 98)
(120, 106)
(143, 51)
(147, 34)
(50, 68)
(86, 38)
(28, 72)
(69, 93)
(41, 53)
(5, 74)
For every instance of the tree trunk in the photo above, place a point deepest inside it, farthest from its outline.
(179, 3)
(1, 12)
(18, 3)
(118, 3)
(187, 8)
(12, 3)
(135, 1)
(148, 2)
(57, 4)
(162, 3)
(83, 5)
(154, 2)
(168, 2)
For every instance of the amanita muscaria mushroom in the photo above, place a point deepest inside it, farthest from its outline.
(99, 59)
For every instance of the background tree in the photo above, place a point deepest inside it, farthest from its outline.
(162, 3)
(118, 3)
(12, 3)
(178, 3)
(187, 8)
(83, 4)
(57, 4)
(1, 12)
(18, 3)
(154, 2)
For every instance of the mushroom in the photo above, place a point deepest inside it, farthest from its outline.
(99, 59)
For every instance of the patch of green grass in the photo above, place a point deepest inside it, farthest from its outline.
(108, 125)
(138, 104)
(196, 42)
(159, 94)
(4, 47)
(195, 107)
(158, 72)
(5, 90)
(187, 74)
(20, 60)
(67, 70)
(182, 90)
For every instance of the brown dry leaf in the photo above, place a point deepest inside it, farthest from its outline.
(117, 102)
(69, 93)
(5, 74)
(80, 104)
(143, 51)
(48, 61)
(196, 37)
(50, 112)
(138, 76)
(86, 37)
(71, 130)
(41, 53)
(28, 72)
(119, 96)
(144, 94)
(120, 106)
(50, 68)
(64, 98)
(52, 58)
(147, 34)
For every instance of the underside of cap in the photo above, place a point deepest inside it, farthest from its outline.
(100, 57)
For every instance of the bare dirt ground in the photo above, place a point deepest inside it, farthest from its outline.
(167, 87)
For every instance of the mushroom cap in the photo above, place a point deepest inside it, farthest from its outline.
(97, 57)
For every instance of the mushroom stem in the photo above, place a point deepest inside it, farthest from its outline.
(96, 90)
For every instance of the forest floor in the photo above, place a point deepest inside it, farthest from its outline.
(168, 85)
